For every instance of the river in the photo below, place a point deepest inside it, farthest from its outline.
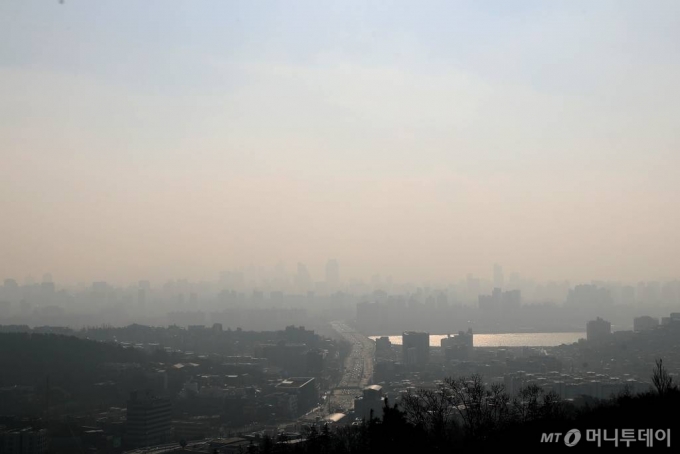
(508, 339)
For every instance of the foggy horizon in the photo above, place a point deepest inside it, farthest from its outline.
(281, 276)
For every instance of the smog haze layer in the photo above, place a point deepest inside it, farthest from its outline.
(423, 141)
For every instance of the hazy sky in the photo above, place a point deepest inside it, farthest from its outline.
(426, 140)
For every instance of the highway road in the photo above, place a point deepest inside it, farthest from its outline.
(358, 370)
(357, 374)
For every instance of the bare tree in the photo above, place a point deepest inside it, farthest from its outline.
(661, 379)
(481, 408)
(498, 404)
(527, 404)
(431, 409)
(552, 405)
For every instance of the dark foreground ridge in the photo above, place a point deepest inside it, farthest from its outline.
(487, 420)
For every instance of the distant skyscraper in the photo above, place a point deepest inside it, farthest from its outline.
(332, 273)
(491, 303)
(303, 280)
(645, 323)
(589, 296)
(415, 347)
(498, 279)
(500, 300)
(598, 330)
(473, 287)
(512, 300)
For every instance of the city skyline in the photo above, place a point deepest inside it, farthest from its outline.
(254, 276)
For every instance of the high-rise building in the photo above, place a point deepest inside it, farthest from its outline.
(598, 330)
(383, 345)
(500, 301)
(371, 403)
(512, 300)
(644, 323)
(415, 347)
(589, 296)
(491, 303)
(459, 346)
(473, 286)
(305, 390)
(23, 441)
(463, 338)
(148, 420)
(315, 360)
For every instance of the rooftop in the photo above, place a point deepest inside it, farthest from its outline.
(295, 382)
(335, 417)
